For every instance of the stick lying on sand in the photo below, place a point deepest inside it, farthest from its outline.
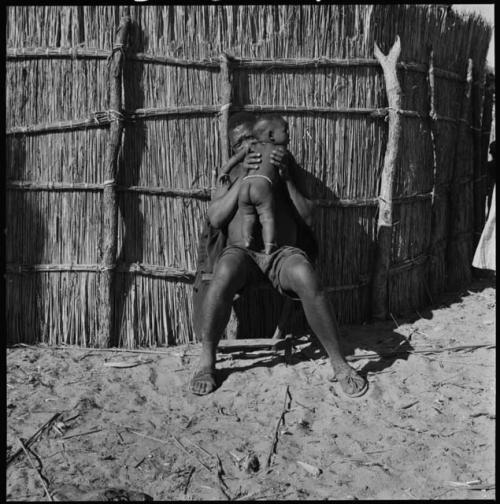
(427, 351)
(285, 409)
(37, 470)
(34, 437)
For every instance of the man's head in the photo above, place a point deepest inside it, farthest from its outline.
(271, 128)
(241, 130)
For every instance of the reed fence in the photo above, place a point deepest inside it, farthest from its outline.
(117, 121)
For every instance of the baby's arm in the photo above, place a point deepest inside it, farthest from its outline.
(232, 162)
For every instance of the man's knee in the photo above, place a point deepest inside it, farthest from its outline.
(228, 277)
(304, 279)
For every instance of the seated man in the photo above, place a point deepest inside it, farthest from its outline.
(289, 268)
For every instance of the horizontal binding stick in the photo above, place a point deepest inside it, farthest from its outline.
(105, 118)
(23, 53)
(200, 193)
(177, 274)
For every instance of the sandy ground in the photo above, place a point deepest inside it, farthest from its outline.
(425, 430)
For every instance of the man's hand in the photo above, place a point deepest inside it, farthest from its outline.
(252, 161)
(279, 158)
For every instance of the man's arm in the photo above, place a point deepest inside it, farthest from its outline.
(224, 203)
(225, 200)
(288, 171)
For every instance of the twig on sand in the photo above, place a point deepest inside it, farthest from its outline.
(187, 452)
(472, 485)
(442, 493)
(447, 380)
(311, 409)
(188, 480)
(34, 437)
(93, 350)
(199, 447)
(164, 441)
(281, 419)
(37, 470)
(79, 434)
(127, 364)
(222, 484)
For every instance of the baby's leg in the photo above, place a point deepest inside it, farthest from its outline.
(263, 199)
(248, 213)
(265, 211)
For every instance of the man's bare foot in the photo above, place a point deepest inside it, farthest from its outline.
(351, 383)
(203, 381)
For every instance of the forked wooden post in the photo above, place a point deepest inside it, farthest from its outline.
(380, 302)
(109, 202)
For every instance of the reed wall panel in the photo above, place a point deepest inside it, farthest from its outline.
(56, 308)
(53, 228)
(158, 230)
(42, 26)
(337, 165)
(51, 90)
(415, 166)
(151, 311)
(149, 85)
(73, 156)
(408, 291)
(341, 155)
(175, 152)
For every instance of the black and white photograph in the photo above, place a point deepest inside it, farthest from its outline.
(173, 333)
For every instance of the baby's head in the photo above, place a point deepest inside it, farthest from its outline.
(271, 128)
(241, 130)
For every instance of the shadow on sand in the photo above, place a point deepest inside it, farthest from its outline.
(380, 337)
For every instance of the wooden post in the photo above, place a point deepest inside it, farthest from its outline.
(459, 260)
(380, 301)
(479, 170)
(109, 203)
(436, 280)
(486, 119)
(226, 97)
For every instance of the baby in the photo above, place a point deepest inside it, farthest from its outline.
(255, 197)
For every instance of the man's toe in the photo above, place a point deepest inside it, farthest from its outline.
(352, 384)
(203, 382)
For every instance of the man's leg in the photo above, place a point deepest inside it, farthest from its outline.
(228, 278)
(297, 274)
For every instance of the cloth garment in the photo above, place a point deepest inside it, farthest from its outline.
(485, 255)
